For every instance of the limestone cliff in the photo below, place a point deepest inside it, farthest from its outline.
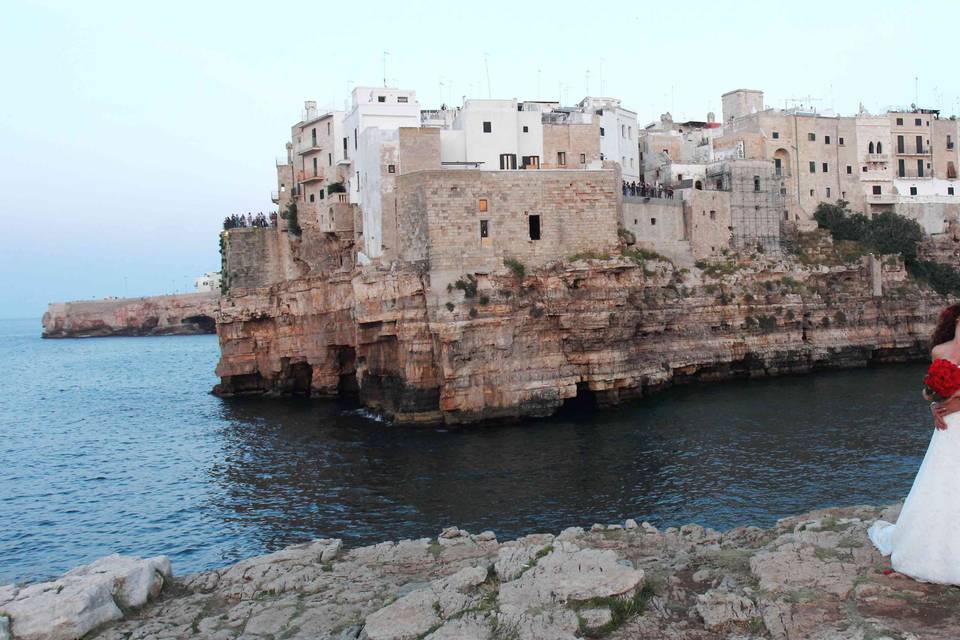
(181, 314)
(606, 328)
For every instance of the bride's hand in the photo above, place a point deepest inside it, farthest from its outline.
(941, 410)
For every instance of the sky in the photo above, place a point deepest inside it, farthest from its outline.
(129, 130)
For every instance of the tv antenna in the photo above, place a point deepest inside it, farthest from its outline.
(385, 54)
(486, 66)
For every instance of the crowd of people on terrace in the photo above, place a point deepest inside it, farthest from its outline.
(251, 220)
(643, 190)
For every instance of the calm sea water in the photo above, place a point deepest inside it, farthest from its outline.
(115, 445)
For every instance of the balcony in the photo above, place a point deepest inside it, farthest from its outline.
(303, 176)
(308, 147)
(917, 152)
(876, 157)
(882, 198)
(275, 197)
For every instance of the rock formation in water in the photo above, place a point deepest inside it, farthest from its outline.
(815, 576)
(520, 342)
(181, 314)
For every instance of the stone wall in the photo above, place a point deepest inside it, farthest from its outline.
(709, 222)
(181, 314)
(253, 257)
(573, 140)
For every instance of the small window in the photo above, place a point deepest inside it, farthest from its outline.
(840, 141)
(917, 122)
(484, 229)
(949, 191)
(653, 222)
(402, 98)
(849, 170)
(562, 158)
(826, 167)
(526, 129)
(843, 194)
(864, 169)
(328, 128)
(583, 158)
(811, 193)
(756, 183)
(601, 132)
(876, 189)
(381, 98)
(900, 121)
(713, 215)
(776, 135)
(913, 191)
(391, 168)
(329, 159)
(487, 126)
(828, 192)
(483, 205)
(321, 194)
(826, 139)
(533, 223)
(311, 197)
(813, 167)
(623, 131)
(811, 137)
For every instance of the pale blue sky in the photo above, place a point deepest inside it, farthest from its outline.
(129, 130)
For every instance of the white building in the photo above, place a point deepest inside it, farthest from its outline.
(494, 135)
(207, 282)
(386, 109)
(618, 134)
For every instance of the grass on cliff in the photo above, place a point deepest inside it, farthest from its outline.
(622, 610)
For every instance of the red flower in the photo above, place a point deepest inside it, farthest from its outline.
(943, 378)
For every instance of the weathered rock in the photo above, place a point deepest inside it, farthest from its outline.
(180, 314)
(84, 598)
(794, 566)
(720, 608)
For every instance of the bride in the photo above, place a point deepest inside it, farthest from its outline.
(924, 544)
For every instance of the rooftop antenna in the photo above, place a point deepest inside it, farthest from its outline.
(385, 54)
(486, 66)
(916, 90)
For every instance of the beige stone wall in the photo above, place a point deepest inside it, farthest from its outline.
(253, 257)
(654, 221)
(945, 147)
(574, 140)
(440, 218)
(419, 150)
(708, 222)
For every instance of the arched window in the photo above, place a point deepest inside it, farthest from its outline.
(879, 147)
(698, 185)
(870, 148)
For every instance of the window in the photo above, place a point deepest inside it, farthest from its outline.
(526, 129)
(826, 139)
(949, 191)
(899, 121)
(653, 222)
(756, 183)
(786, 215)
(949, 142)
(901, 168)
(849, 170)
(402, 98)
(826, 167)
(811, 193)
(623, 131)
(913, 191)
(533, 225)
(840, 141)
(381, 98)
(344, 147)
(917, 121)
(391, 168)
(870, 147)
(919, 144)
(776, 135)
(828, 192)
(328, 128)
(483, 205)
(484, 229)
(358, 181)
(713, 215)
(630, 132)
(813, 167)
(561, 158)
(508, 161)
(899, 144)
(354, 138)
(583, 158)
(601, 132)
(811, 137)
(876, 189)
(329, 159)
(919, 168)
(864, 169)
(321, 194)
(843, 194)
(313, 136)
(314, 166)
(311, 197)
(879, 147)
(487, 126)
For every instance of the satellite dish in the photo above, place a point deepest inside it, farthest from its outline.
(913, 106)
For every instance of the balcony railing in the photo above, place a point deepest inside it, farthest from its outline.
(308, 147)
(275, 197)
(875, 157)
(304, 176)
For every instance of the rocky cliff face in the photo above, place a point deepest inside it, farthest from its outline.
(815, 576)
(600, 328)
(188, 313)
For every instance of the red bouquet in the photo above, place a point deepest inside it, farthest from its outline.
(943, 379)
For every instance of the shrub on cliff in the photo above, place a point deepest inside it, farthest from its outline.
(290, 215)
(515, 266)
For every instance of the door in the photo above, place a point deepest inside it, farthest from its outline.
(508, 161)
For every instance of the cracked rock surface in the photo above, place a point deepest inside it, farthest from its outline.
(814, 576)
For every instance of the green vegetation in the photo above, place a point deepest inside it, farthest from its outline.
(515, 266)
(621, 610)
(589, 255)
(473, 312)
(450, 306)
(484, 300)
(640, 255)
(468, 285)
(336, 187)
(884, 234)
(717, 269)
(290, 215)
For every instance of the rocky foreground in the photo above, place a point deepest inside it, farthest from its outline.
(812, 576)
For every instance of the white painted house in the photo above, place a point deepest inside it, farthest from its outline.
(493, 135)
(618, 133)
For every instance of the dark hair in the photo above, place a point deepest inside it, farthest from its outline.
(946, 325)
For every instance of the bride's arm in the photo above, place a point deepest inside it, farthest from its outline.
(942, 409)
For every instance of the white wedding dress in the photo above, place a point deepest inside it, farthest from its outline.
(925, 542)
